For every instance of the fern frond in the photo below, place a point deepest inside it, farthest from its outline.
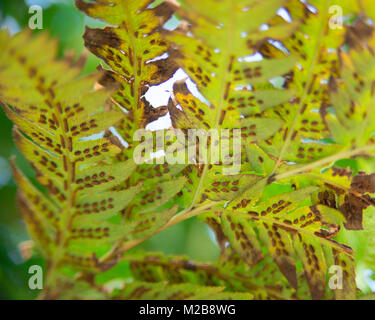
(288, 227)
(218, 67)
(352, 96)
(56, 115)
(314, 44)
(134, 50)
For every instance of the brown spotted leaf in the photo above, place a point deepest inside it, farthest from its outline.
(300, 140)
(227, 82)
(55, 116)
(290, 230)
(134, 50)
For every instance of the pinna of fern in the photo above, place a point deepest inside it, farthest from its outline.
(56, 115)
(134, 50)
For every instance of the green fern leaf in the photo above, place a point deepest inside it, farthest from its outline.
(217, 69)
(51, 131)
(130, 49)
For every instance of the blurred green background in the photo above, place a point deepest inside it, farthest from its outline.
(63, 21)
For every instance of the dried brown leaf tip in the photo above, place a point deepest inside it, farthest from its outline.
(349, 194)
(357, 200)
(358, 33)
(135, 51)
(151, 114)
